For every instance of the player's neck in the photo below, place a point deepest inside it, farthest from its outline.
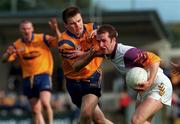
(113, 46)
(113, 50)
(28, 39)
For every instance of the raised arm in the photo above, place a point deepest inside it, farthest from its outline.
(54, 26)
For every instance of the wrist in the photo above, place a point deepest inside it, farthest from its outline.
(150, 82)
(92, 51)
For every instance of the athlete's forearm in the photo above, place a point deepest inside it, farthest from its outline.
(153, 72)
(84, 60)
(58, 34)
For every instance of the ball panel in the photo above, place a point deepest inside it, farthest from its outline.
(136, 76)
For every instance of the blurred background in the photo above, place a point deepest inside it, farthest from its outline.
(153, 25)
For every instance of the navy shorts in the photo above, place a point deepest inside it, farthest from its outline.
(78, 88)
(32, 86)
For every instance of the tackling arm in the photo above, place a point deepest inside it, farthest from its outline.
(81, 58)
(84, 60)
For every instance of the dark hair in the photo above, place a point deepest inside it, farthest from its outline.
(108, 28)
(70, 12)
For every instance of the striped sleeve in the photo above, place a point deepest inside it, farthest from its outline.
(135, 57)
(65, 45)
(152, 58)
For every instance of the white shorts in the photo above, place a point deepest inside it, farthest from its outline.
(153, 91)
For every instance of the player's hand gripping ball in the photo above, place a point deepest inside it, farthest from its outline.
(135, 76)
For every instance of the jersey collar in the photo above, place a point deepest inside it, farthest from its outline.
(74, 36)
(32, 38)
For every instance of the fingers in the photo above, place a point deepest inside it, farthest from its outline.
(142, 86)
(139, 87)
(161, 89)
(11, 49)
(53, 23)
(91, 36)
(68, 54)
(53, 20)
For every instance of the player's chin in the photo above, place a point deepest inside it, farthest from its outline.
(104, 51)
(79, 31)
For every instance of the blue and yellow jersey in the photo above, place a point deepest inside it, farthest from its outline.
(71, 41)
(35, 57)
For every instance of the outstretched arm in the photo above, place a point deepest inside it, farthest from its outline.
(81, 58)
(84, 60)
(10, 50)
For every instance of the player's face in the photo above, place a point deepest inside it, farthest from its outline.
(106, 44)
(75, 25)
(26, 30)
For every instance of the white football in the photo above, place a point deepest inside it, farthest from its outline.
(136, 75)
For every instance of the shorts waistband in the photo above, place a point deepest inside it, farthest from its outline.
(88, 80)
(36, 75)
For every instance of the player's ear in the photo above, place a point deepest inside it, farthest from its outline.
(65, 25)
(32, 29)
(113, 39)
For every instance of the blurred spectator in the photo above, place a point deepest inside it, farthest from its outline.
(61, 103)
(59, 82)
(22, 103)
(175, 79)
(124, 101)
(175, 76)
